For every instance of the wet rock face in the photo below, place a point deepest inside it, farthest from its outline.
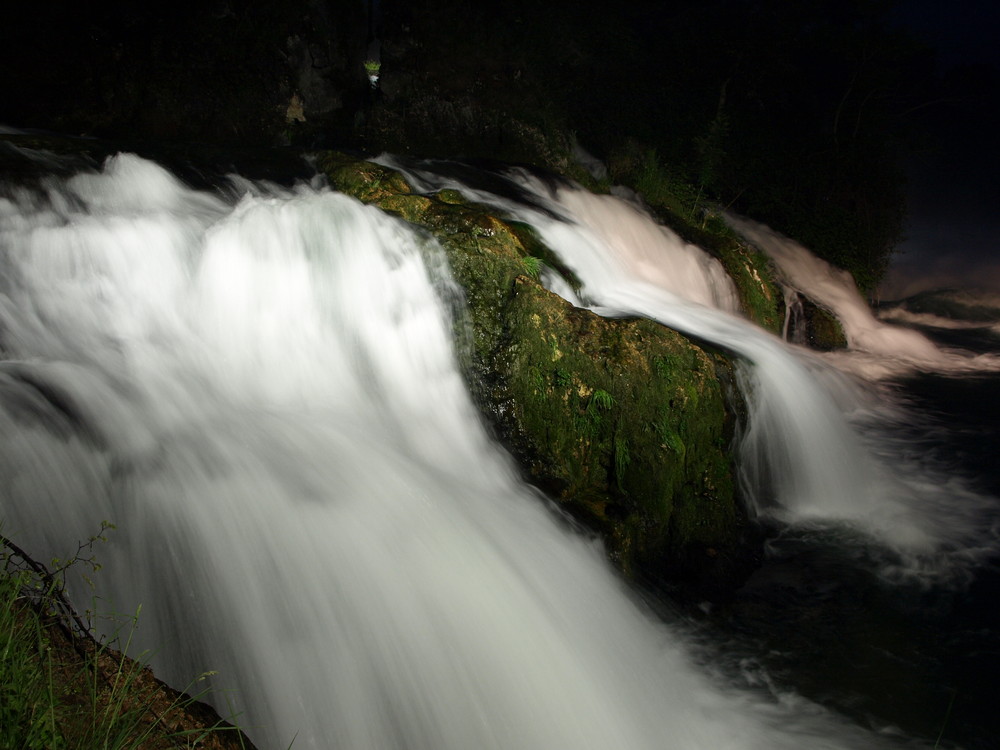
(622, 420)
(624, 423)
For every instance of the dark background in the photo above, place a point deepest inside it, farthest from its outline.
(859, 127)
(953, 223)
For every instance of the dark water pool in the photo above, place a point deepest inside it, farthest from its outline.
(919, 658)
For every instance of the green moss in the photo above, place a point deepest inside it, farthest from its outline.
(364, 180)
(684, 208)
(621, 421)
(750, 269)
(532, 266)
(596, 414)
(823, 329)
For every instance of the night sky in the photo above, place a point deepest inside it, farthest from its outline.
(953, 230)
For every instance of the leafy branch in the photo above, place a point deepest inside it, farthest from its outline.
(45, 589)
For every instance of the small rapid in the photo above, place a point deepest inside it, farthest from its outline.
(876, 349)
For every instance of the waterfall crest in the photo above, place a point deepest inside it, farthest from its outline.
(261, 393)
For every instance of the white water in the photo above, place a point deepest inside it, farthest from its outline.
(877, 349)
(954, 309)
(929, 320)
(802, 459)
(835, 290)
(263, 397)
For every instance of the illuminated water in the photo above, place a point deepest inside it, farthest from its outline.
(878, 591)
(258, 387)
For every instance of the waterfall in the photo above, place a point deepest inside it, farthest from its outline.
(793, 328)
(894, 348)
(835, 290)
(258, 387)
(802, 459)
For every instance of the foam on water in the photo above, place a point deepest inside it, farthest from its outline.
(805, 455)
(264, 398)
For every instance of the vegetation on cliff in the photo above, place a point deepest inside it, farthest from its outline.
(62, 689)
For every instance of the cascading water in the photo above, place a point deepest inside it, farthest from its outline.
(793, 327)
(877, 593)
(262, 395)
(835, 290)
(801, 459)
(896, 349)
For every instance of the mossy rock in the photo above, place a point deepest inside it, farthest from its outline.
(682, 208)
(623, 422)
(751, 270)
(823, 329)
